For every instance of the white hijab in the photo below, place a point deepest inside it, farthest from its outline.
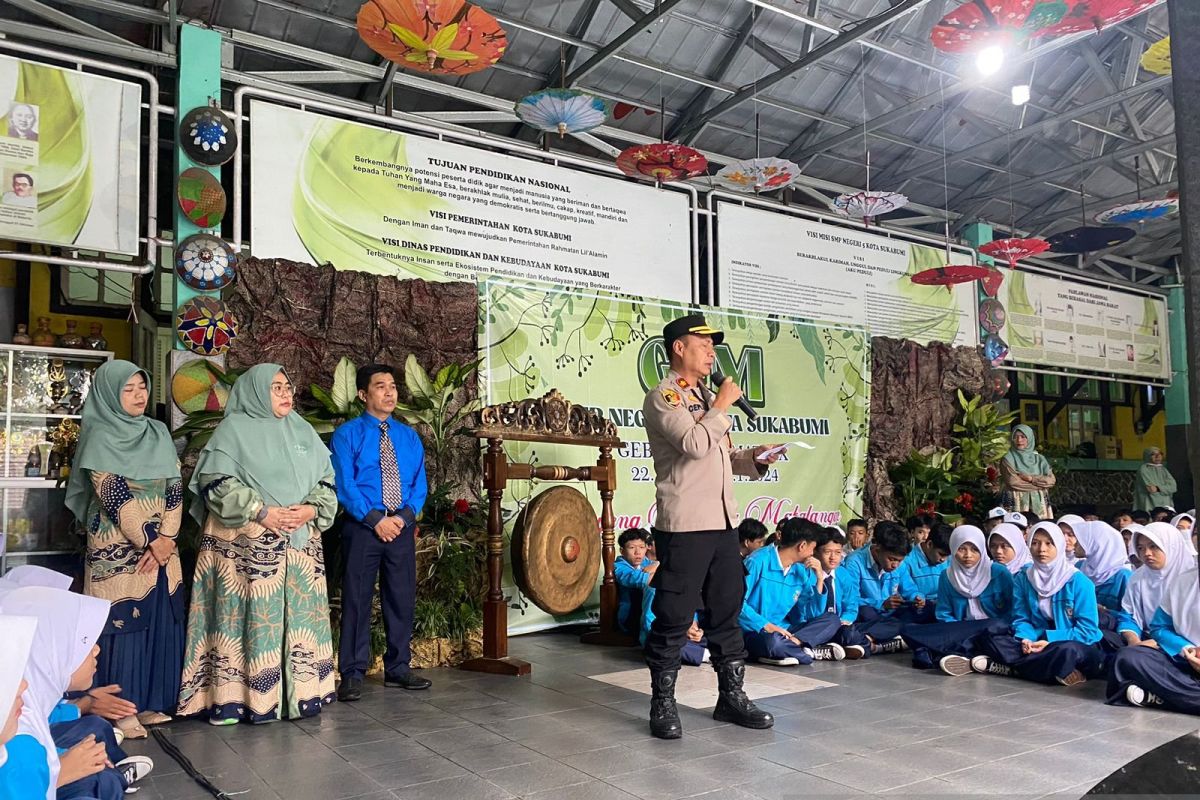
(1016, 540)
(970, 583)
(17, 635)
(1181, 600)
(68, 626)
(33, 575)
(1104, 547)
(1145, 588)
(1049, 579)
(1187, 535)
(1073, 521)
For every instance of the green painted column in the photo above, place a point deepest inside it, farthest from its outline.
(1177, 397)
(975, 235)
(199, 83)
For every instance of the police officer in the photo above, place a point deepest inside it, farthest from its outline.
(700, 566)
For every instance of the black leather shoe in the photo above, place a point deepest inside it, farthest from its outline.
(407, 680)
(664, 715)
(732, 703)
(349, 690)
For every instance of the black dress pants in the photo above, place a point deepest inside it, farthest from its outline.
(395, 562)
(696, 570)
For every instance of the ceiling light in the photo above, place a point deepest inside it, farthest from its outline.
(1020, 94)
(989, 60)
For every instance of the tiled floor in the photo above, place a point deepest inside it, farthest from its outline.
(576, 729)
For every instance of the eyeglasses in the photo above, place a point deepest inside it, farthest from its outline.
(283, 389)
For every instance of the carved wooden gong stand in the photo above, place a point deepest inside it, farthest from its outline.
(554, 420)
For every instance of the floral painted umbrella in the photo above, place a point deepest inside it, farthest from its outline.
(441, 37)
(1157, 58)
(980, 23)
(868, 205)
(562, 110)
(758, 175)
(1140, 211)
(662, 161)
(1013, 250)
(1095, 15)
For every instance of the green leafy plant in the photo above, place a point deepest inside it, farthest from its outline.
(982, 436)
(440, 407)
(451, 557)
(340, 401)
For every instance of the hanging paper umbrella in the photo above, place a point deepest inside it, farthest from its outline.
(446, 37)
(978, 24)
(201, 197)
(662, 161)
(1141, 211)
(1157, 58)
(995, 349)
(758, 175)
(992, 315)
(1094, 15)
(868, 205)
(207, 136)
(205, 262)
(1013, 250)
(204, 325)
(562, 110)
(950, 275)
(1089, 238)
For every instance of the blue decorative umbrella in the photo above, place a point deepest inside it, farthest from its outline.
(1141, 211)
(563, 111)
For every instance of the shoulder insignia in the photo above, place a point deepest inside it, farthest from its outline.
(672, 397)
(682, 383)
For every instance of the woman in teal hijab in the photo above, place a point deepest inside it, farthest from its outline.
(1027, 475)
(259, 646)
(1153, 485)
(126, 492)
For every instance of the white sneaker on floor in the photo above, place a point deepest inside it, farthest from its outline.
(955, 666)
(828, 652)
(119, 735)
(1138, 696)
(855, 652)
(134, 768)
(706, 658)
(986, 666)
(788, 661)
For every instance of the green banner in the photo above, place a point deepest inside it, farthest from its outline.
(808, 382)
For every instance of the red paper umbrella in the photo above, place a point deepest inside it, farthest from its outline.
(662, 161)
(978, 24)
(1013, 250)
(443, 37)
(1094, 15)
(950, 275)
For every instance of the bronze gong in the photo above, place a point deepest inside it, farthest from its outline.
(556, 550)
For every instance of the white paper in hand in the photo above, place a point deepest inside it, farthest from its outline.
(763, 456)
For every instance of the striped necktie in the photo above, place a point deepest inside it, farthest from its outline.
(392, 496)
(830, 593)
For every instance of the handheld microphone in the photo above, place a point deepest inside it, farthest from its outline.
(717, 379)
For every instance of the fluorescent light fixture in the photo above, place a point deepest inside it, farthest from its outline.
(1020, 94)
(989, 60)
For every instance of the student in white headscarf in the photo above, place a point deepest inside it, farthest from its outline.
(1162, 555)
(65, 650)
(1106, 563)
(1055, 626)
(33, 575)
(1070, 525)
(1007, 546)
(1186, 523)
(1167, 676)
(17, 635)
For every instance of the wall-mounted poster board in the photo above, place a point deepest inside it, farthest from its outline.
(1060, 323)
(69, 164)
(369, 198)
(790, 265)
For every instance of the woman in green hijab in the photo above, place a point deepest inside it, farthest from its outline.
(126, 492)
(1027, 475)
(1153, 485)
(259, 646)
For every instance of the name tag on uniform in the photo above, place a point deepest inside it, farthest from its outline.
(695, 407)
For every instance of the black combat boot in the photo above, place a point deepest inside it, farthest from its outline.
(664, 716)
(732, 703)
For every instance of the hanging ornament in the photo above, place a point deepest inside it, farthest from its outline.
(205, 326)
(997, 385)
(758, 175)
(1157, 58)
(1089, 238)
(868, 205)
(984, 23)
(447, 37)
(1139, 212)
(950, 275)
(562, 111)
(992, 315)
(662, 161)
(995, 349)
(207, 136)
(201, 197)
(204, 262)
(1013, 250)
(1088, 16)
(992, 281)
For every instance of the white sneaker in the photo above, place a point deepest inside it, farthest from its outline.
(706, 658)
(1138, 696)
(119, 735)
(828, 652)
(986, 666)
(955, 666)
(134, 768)
(788, 661)
(855, 651)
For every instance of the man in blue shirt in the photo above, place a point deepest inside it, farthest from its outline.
(380, 467)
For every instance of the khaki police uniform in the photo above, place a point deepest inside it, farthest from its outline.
(700, 565)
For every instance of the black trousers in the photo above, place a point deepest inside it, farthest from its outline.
(696, 570)
(395, 562)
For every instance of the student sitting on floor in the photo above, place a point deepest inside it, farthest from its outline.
(974, 597)
(1163, 553)
(857, 535)
(1055, 627)
(921, 569)
(1007, 546)
(1141, 517)
(752, 535)
(994, 518)
(1106, 563)
(918, 527)
(1161, 514)
(1121, 519)
(1070, 524)
(830, 615)
(695, 649)
(780, 581)
(632, 571)
(1186, 522)
(871, 574)
(1166, 676)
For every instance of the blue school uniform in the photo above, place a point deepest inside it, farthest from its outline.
(1110, 593)
(822, 619)
(25, 774)
(919, 577)
(1162, 671)
(955, 632)
(691, 654)
(631, 584)
(844, 602)
(869, 585)
(1162, 630)
(772, 595)
(996, 600)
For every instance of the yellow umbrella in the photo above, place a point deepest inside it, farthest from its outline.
(1157, 58)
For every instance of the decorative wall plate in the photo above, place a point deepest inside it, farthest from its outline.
(204, 262)
(995, 349)
(201, 197)
(207, 136)
(992, 315)
(205, 326)
(195, 388)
